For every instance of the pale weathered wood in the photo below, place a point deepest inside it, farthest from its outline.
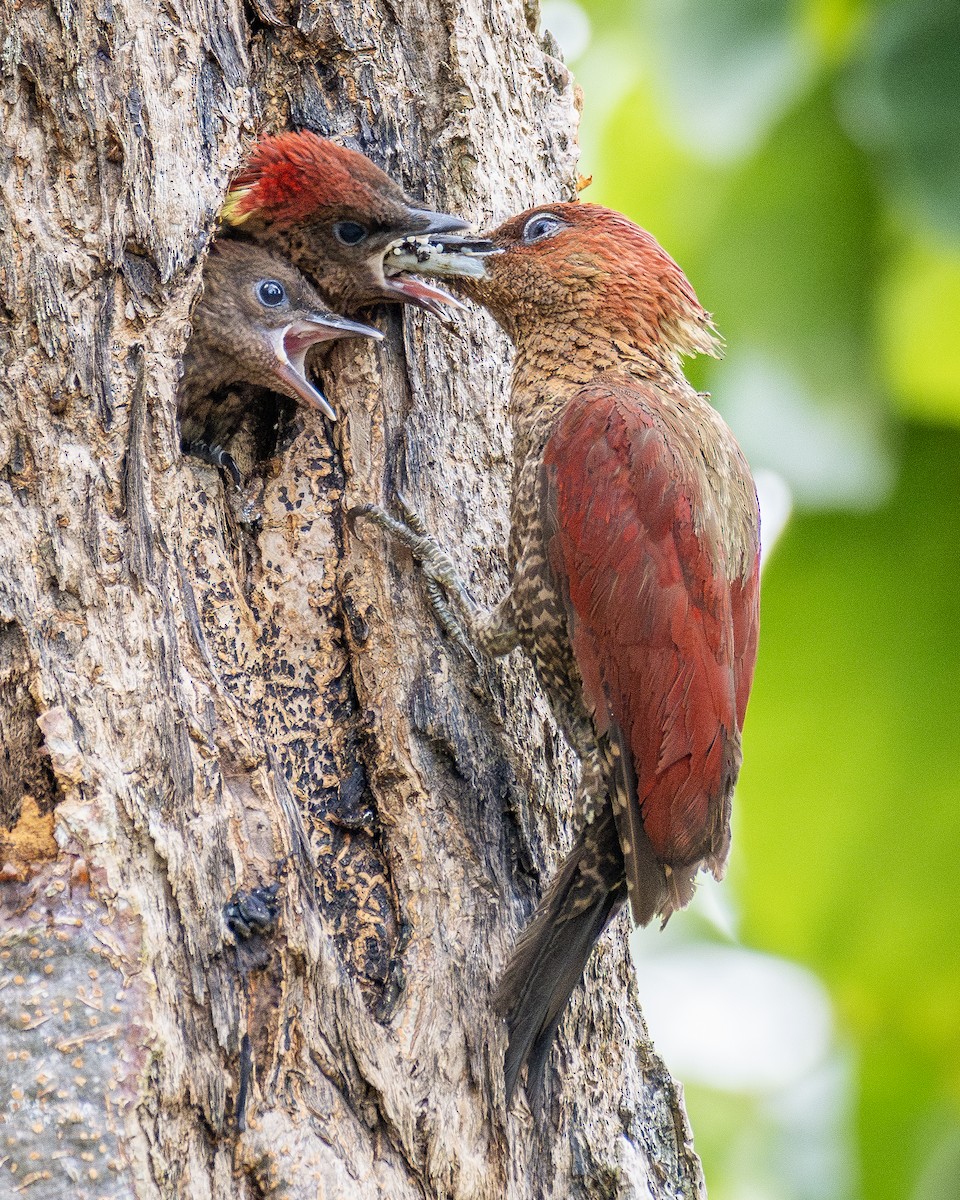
(195, 684)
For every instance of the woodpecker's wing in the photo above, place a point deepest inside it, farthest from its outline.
(663, 626)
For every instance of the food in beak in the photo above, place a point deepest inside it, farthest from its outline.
(434, 255)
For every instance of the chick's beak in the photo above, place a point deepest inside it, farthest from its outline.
(290, 344)
(422, 220)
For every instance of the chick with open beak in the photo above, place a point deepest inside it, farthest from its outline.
(337, 217)
(254, 324)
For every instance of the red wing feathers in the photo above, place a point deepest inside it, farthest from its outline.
(664, 639)
(744, 597)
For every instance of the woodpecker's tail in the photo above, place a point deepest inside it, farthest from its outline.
(549, 959)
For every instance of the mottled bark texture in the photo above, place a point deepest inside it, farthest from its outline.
(196, 684)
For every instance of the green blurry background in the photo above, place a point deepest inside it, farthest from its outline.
(802, 162)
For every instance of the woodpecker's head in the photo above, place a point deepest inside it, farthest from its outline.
(584, 270)
(335, 215)
(256, 320)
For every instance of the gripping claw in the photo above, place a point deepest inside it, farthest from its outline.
(442, 581)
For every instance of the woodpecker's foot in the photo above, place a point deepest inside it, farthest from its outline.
(451, 602)
(217, 457)
(252, 912)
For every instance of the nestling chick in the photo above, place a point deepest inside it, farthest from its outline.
(254, 323)
(334, 215)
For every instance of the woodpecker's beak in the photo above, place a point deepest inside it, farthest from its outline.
(422, 220)
(290, 344)
(434, 255)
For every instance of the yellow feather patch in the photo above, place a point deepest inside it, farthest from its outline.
(230, 214)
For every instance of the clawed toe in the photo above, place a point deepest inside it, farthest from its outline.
(229, 464)
(448, 619)
(442, 580)
(216, 456)
(410, 515)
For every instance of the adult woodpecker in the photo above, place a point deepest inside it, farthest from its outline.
(335, 216)
(634, 560)
(254, 323)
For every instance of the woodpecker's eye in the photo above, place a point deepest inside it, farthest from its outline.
(270, 293)
(350, 233)
(541, 225)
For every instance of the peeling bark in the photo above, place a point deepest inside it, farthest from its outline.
(203, 691)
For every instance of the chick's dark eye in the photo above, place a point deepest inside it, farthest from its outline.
(539, 226)
(271, 293)
(349, 232)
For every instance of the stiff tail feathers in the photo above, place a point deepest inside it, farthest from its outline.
(552, 953)
(648, 886)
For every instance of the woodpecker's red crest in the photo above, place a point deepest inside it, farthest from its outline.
(293, 176)
(334, 214)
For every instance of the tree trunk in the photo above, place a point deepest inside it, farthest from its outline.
(196, 684)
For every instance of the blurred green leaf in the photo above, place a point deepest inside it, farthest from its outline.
(726, 71)
(941, 1177)
(662, 187)
(792, 257)
(848, 821)
(918, 306)
(903, 99)
(834, 25)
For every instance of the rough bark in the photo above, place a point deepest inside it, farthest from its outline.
(196, 684)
